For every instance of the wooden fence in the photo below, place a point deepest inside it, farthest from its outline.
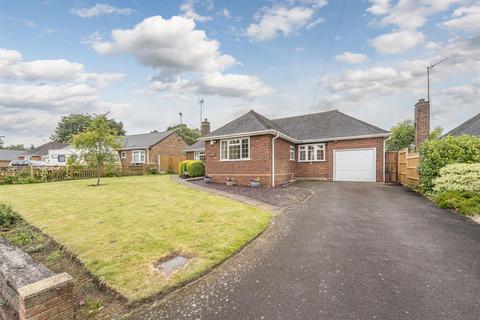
(408, 168)
(391, 167)
(170, 163)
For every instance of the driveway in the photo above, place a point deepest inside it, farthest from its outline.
(353, 251)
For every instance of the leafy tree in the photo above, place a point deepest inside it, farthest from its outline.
(403, 136)
(20, 147)
(189, 135)
(1, 142)
(98, 144)
(72, 124)
(436, 133)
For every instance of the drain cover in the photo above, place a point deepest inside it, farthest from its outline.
(167, 267)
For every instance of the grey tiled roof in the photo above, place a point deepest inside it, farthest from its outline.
(471, 126)
(323, 125)
(9, 155)
(145, 140)
(199, 145)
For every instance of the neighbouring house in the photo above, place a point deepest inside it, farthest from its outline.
(149, 148)
(469, 127)
(325, 146)
(59, 157)
(6, 156)
(197, 150)
(40, 153)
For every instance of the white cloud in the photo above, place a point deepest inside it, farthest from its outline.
(465, 18)
(349, 57)
(300, 49)
(100, 9)
(232, 85)
(172, 44)
(226, 13)
(379, 6)
(13, 67)
(273, 21)
(398, 41)
(189, 12)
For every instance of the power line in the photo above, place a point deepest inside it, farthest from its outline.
(328, 53)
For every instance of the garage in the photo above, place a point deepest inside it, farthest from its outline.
(354, 165)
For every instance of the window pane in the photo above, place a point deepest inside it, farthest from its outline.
(320, 152)
(302, 154)
(223, 152)
(244, 148)
(234, 151)
(202, 156)
(311, 150)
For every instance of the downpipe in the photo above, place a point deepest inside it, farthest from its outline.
(273, 159)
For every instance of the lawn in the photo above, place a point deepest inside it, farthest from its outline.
(120, 229)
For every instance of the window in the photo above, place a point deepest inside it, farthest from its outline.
(123, 154)
(61, 158)
(292, 153)
(138, 156)
(311, 152)
(235, 149)
(199, 155)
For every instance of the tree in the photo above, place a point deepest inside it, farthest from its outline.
(1, 142)
(403, 136)
(436, 133)
(20, 147)
(98, 144)
(72, 124)
(189, 135)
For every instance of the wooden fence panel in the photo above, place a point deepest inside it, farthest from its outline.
(408, 168)
(391, 166)
(170, 163)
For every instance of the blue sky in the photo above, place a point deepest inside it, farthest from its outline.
(146, 61)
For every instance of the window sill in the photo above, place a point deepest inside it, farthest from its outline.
(233, 160)
(307, 161)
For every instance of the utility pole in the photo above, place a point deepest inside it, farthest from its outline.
(201, 103)
(181, 115)
(429, 68)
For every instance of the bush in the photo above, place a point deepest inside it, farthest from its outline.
(112, 170)
(153, 169)
(195, 168)
(458, 177)
(8, 217)
(435, 154)
(467, 203)
(182, 167)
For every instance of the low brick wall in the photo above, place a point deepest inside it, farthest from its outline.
(33, 290)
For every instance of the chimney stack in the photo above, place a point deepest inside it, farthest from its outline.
(205, 127)
(422, 122)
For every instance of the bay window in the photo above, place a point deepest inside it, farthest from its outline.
(311, 152)
(235, 149)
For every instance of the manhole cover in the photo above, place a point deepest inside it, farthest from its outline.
(170, 265)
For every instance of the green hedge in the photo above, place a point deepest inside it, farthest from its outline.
(464, 202)
(458, 177)
(193, 168)
(8, 217)
(437, 153)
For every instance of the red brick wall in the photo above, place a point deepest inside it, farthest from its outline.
(190, 155)
(171, 146)
(242, 171)
(285, 169)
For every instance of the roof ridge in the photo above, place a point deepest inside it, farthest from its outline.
(140, 134)
(366, 123)
(462, 125)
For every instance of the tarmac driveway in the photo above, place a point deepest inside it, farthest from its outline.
(353, 251)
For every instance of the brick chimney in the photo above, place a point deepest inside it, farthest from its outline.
(205, 127)
(422, 121)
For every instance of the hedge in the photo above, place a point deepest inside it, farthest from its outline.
(458, 177)
(437, 153)
(193, 168)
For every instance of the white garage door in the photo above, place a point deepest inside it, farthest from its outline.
(354, 165)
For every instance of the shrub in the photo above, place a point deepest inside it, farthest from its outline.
(152, 169)
(8, 217)
(182, 167)
(467, 203)
(112, 170)
(458, 177)
(196, 168)
(435, 154)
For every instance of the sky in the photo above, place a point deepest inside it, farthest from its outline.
(144, 62)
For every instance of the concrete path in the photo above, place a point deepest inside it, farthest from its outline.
(353, 251)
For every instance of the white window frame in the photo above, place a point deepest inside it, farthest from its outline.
(141, 156)
(228, 142)
(123, 154)
(197, 155)
(316, 146)
(62, 156)
(292, 153)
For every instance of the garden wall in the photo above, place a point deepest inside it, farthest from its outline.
(33, 290)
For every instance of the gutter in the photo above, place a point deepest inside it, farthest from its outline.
(273, 159)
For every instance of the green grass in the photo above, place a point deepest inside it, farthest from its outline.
(121, 228)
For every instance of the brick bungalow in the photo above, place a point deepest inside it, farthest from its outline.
(325, 146)
(148, 148)
(40, 153)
